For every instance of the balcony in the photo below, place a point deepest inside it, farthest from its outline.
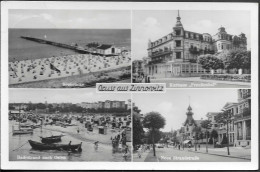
(160, 53)
(206, 51)
(190, 60)
(156, 61)
(246, 114)
(194, 50)
(239, 137)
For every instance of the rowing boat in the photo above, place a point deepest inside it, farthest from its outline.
(51, 139)
(61, 147)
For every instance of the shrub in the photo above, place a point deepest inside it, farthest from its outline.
(227, 77)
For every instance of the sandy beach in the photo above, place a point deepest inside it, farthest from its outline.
(63, 66)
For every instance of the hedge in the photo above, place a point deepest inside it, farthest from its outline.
(227, 77)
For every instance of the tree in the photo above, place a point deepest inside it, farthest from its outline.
(153, 121)
(206, 124)
(196, 130)
(214, 135)
(236, 59)
(209, 61)
(138, 132)
(225, 118)
(157, 134)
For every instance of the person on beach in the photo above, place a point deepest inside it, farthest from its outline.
(120, 146)
(78, 130)
(96, 145)
(125, 152)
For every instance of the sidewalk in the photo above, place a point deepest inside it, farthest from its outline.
(143, 156)
(197, 79)
(235, 152)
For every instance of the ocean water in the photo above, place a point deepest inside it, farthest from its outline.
(21, 49)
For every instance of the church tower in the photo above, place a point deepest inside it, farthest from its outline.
(189, 120)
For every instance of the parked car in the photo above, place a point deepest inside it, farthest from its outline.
(160, 146)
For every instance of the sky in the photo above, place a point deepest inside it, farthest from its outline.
(68, 19)
(173, 104)
(62, 96)
(156, 24)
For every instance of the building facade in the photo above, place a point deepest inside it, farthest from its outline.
(104, 105)
(176, 53)
(239, 128)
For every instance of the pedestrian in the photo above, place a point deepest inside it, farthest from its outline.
(78, 130)
(139, 152)
(199, 146)
(96, 145)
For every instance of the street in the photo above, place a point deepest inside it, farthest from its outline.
(175, 155)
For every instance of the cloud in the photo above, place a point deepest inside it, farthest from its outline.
(150, 28)
(151, 22)
(165, 108)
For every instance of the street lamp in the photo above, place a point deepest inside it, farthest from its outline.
(207, 127)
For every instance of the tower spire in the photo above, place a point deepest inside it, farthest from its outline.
(189, 107)
(178, 23)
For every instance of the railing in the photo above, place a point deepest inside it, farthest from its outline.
(194, 50)
(239, 137)
(245, 114)
(159, 53)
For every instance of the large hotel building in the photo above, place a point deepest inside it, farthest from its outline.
(176, 53)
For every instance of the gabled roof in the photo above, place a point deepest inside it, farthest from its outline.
(229, 104)
(104, 46)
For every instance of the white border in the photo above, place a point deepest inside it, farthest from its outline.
(253, 7)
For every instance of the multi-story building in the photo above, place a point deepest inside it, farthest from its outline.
(242, 119)
(18, 106)
(104, 105)
(138, 67)
(239, 128)
(176, 53)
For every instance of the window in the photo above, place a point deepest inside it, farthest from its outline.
(178, 32)
(178, 43)
(178, 55)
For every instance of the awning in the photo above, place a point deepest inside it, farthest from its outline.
(186, 141)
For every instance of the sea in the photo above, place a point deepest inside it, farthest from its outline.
(21, 49)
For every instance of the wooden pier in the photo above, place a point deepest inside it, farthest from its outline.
(62, 45)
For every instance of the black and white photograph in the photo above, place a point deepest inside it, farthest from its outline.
(108, 85)
(186, 48)
(62, 125)
(182, 125)
(68, 48)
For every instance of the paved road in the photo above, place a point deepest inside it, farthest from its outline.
(174, 155)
